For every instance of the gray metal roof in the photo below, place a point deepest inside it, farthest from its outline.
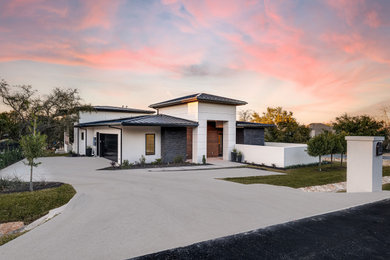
(122, 109)
(200, 97)
(252, 125)
(148, 120)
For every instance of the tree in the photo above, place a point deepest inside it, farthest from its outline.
(33, 146)
(55, 112)
(318, 146)
(360, 126)
(286, 129)
(9, 127)
(341, 145)
(22, 102)
(245, 115)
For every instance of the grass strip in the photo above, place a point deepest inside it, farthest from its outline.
(302, 176)
(30, 206)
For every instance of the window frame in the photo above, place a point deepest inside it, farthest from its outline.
(146, 144)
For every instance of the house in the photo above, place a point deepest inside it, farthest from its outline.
(319, 128)
(189, 127)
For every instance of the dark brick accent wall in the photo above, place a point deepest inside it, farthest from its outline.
(173, 143)
(252, 136)
(239, 135)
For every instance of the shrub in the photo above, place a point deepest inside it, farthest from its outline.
(178, 159)
(9, 157)
(157, 161)
(204, 159)
(142, 160)
(125, 163)
(7, 183)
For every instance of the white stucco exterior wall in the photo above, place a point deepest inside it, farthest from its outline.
(104, 115)
(279, 154)
(203, 112)
(364, 168)
(133, 141)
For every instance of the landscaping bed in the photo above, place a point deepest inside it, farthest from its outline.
(16, 185)
(149, 165)
(302, 176)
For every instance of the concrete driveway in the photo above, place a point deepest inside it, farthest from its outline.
(121, 214)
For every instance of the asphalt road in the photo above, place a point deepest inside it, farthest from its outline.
(357, 233)
(123, 214)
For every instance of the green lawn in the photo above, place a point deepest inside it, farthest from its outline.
(29, 206)
(302, 176)
(386, 186)
(7, 238)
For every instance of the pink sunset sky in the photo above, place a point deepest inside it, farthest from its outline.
(318, 59)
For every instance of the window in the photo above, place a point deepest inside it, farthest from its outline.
(150, 144)
(82, 136)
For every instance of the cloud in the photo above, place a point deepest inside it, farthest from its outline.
(324, 50)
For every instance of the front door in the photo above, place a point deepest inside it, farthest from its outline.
(109, 146)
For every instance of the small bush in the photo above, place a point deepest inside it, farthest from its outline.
(178, 159)
(7, 183)
(125, 163)
(142, 160)
(157, 161)
(9, 157)
(204, 159)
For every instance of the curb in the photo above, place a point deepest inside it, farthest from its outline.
(52, 213)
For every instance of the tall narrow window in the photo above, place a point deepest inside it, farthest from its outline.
(150, 144)
(82, 136)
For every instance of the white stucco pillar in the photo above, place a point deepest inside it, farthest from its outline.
(364, 165)
(229, 138)
(199, 142)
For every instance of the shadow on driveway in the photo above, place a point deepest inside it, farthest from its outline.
(358, 233)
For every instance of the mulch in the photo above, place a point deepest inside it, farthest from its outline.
(25, 186)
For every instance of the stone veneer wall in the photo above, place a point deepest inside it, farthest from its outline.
(173, 143)
(252, 136)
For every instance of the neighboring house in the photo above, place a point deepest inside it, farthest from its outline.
(189, 127)
(319, 128)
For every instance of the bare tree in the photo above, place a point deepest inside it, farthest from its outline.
(245, 115)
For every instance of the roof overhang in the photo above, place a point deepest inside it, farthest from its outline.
(200, 97)
(147, 120)
(243, 124)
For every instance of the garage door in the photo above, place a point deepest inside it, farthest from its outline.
(108, 146)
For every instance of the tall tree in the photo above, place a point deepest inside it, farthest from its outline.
(319, 145)
(360, 126)
(287, 129)
(55, 113)
(33, 146)
(341, 145)
(245, 115)
(9, 125)
(22, 101)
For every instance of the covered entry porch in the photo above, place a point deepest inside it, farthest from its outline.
(214, 140)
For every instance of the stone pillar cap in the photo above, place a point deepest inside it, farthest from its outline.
(364, 138)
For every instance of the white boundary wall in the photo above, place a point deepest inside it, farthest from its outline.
(280, 154)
